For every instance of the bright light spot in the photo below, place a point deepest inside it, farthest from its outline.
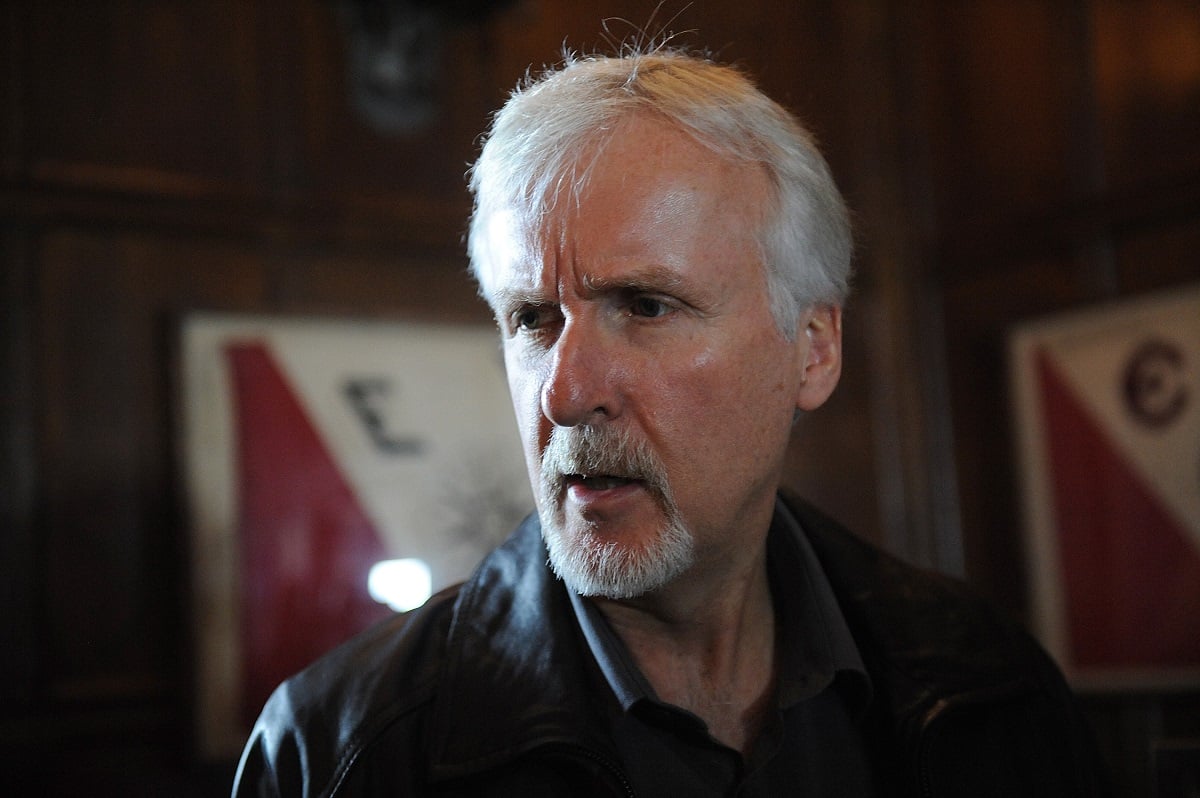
(401, 584)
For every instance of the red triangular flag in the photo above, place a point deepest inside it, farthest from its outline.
(306, 545)
(1130, 571)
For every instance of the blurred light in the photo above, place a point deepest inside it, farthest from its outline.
(401, 584)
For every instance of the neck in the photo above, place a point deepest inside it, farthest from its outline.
(707, 644)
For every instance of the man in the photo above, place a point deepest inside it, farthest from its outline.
(667, 257)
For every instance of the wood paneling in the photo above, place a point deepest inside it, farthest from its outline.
(143, 95)
(1062, 163)
(18, 472)
(1004, 160)
(1146, 62)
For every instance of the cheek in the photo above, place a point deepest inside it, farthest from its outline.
(528, 424)
(691, 402)
(703, 360)
(525, 394)
(740, 397)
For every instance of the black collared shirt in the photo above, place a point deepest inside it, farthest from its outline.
(812, 743)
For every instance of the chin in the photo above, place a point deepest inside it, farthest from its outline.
(594, 566)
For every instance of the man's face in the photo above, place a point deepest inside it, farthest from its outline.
(653, 391)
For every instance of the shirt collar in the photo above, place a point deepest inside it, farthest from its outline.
(622, 674)
(815, 646)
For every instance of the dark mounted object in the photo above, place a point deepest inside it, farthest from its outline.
(393, 54)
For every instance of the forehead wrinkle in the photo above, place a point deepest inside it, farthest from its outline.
(533, 266)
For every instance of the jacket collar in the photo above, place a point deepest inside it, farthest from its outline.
(928, 642)
(516, 668)
(515, 672)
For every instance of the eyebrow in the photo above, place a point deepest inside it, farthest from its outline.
(649, 278)
(505, 298)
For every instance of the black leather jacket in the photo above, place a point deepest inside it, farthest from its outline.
(482, 692)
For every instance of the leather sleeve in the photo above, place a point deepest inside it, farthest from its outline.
(274, 761)
(316, 725)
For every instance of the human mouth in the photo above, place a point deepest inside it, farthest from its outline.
(600, 493)
(598, 468)
(596, 490)
(597, 482)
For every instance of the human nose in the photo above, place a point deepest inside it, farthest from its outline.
(578, 389)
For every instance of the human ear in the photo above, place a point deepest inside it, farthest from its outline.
(819, 347)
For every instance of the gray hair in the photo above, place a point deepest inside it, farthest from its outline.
(533, 150)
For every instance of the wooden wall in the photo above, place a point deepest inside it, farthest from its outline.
(1005, 158)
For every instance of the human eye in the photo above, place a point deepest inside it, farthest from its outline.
(649, 306)
(530, 317)
(527, 319)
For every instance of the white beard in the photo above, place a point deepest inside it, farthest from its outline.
(592, 566)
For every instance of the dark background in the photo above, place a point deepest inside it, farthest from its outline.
(1005, 159)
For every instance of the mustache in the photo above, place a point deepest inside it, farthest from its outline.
(600, 451)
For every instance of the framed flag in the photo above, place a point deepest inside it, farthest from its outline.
(1107, 405)
(336, 472)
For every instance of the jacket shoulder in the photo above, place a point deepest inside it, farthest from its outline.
(320, 721)
(926, 626)
(956, 680)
